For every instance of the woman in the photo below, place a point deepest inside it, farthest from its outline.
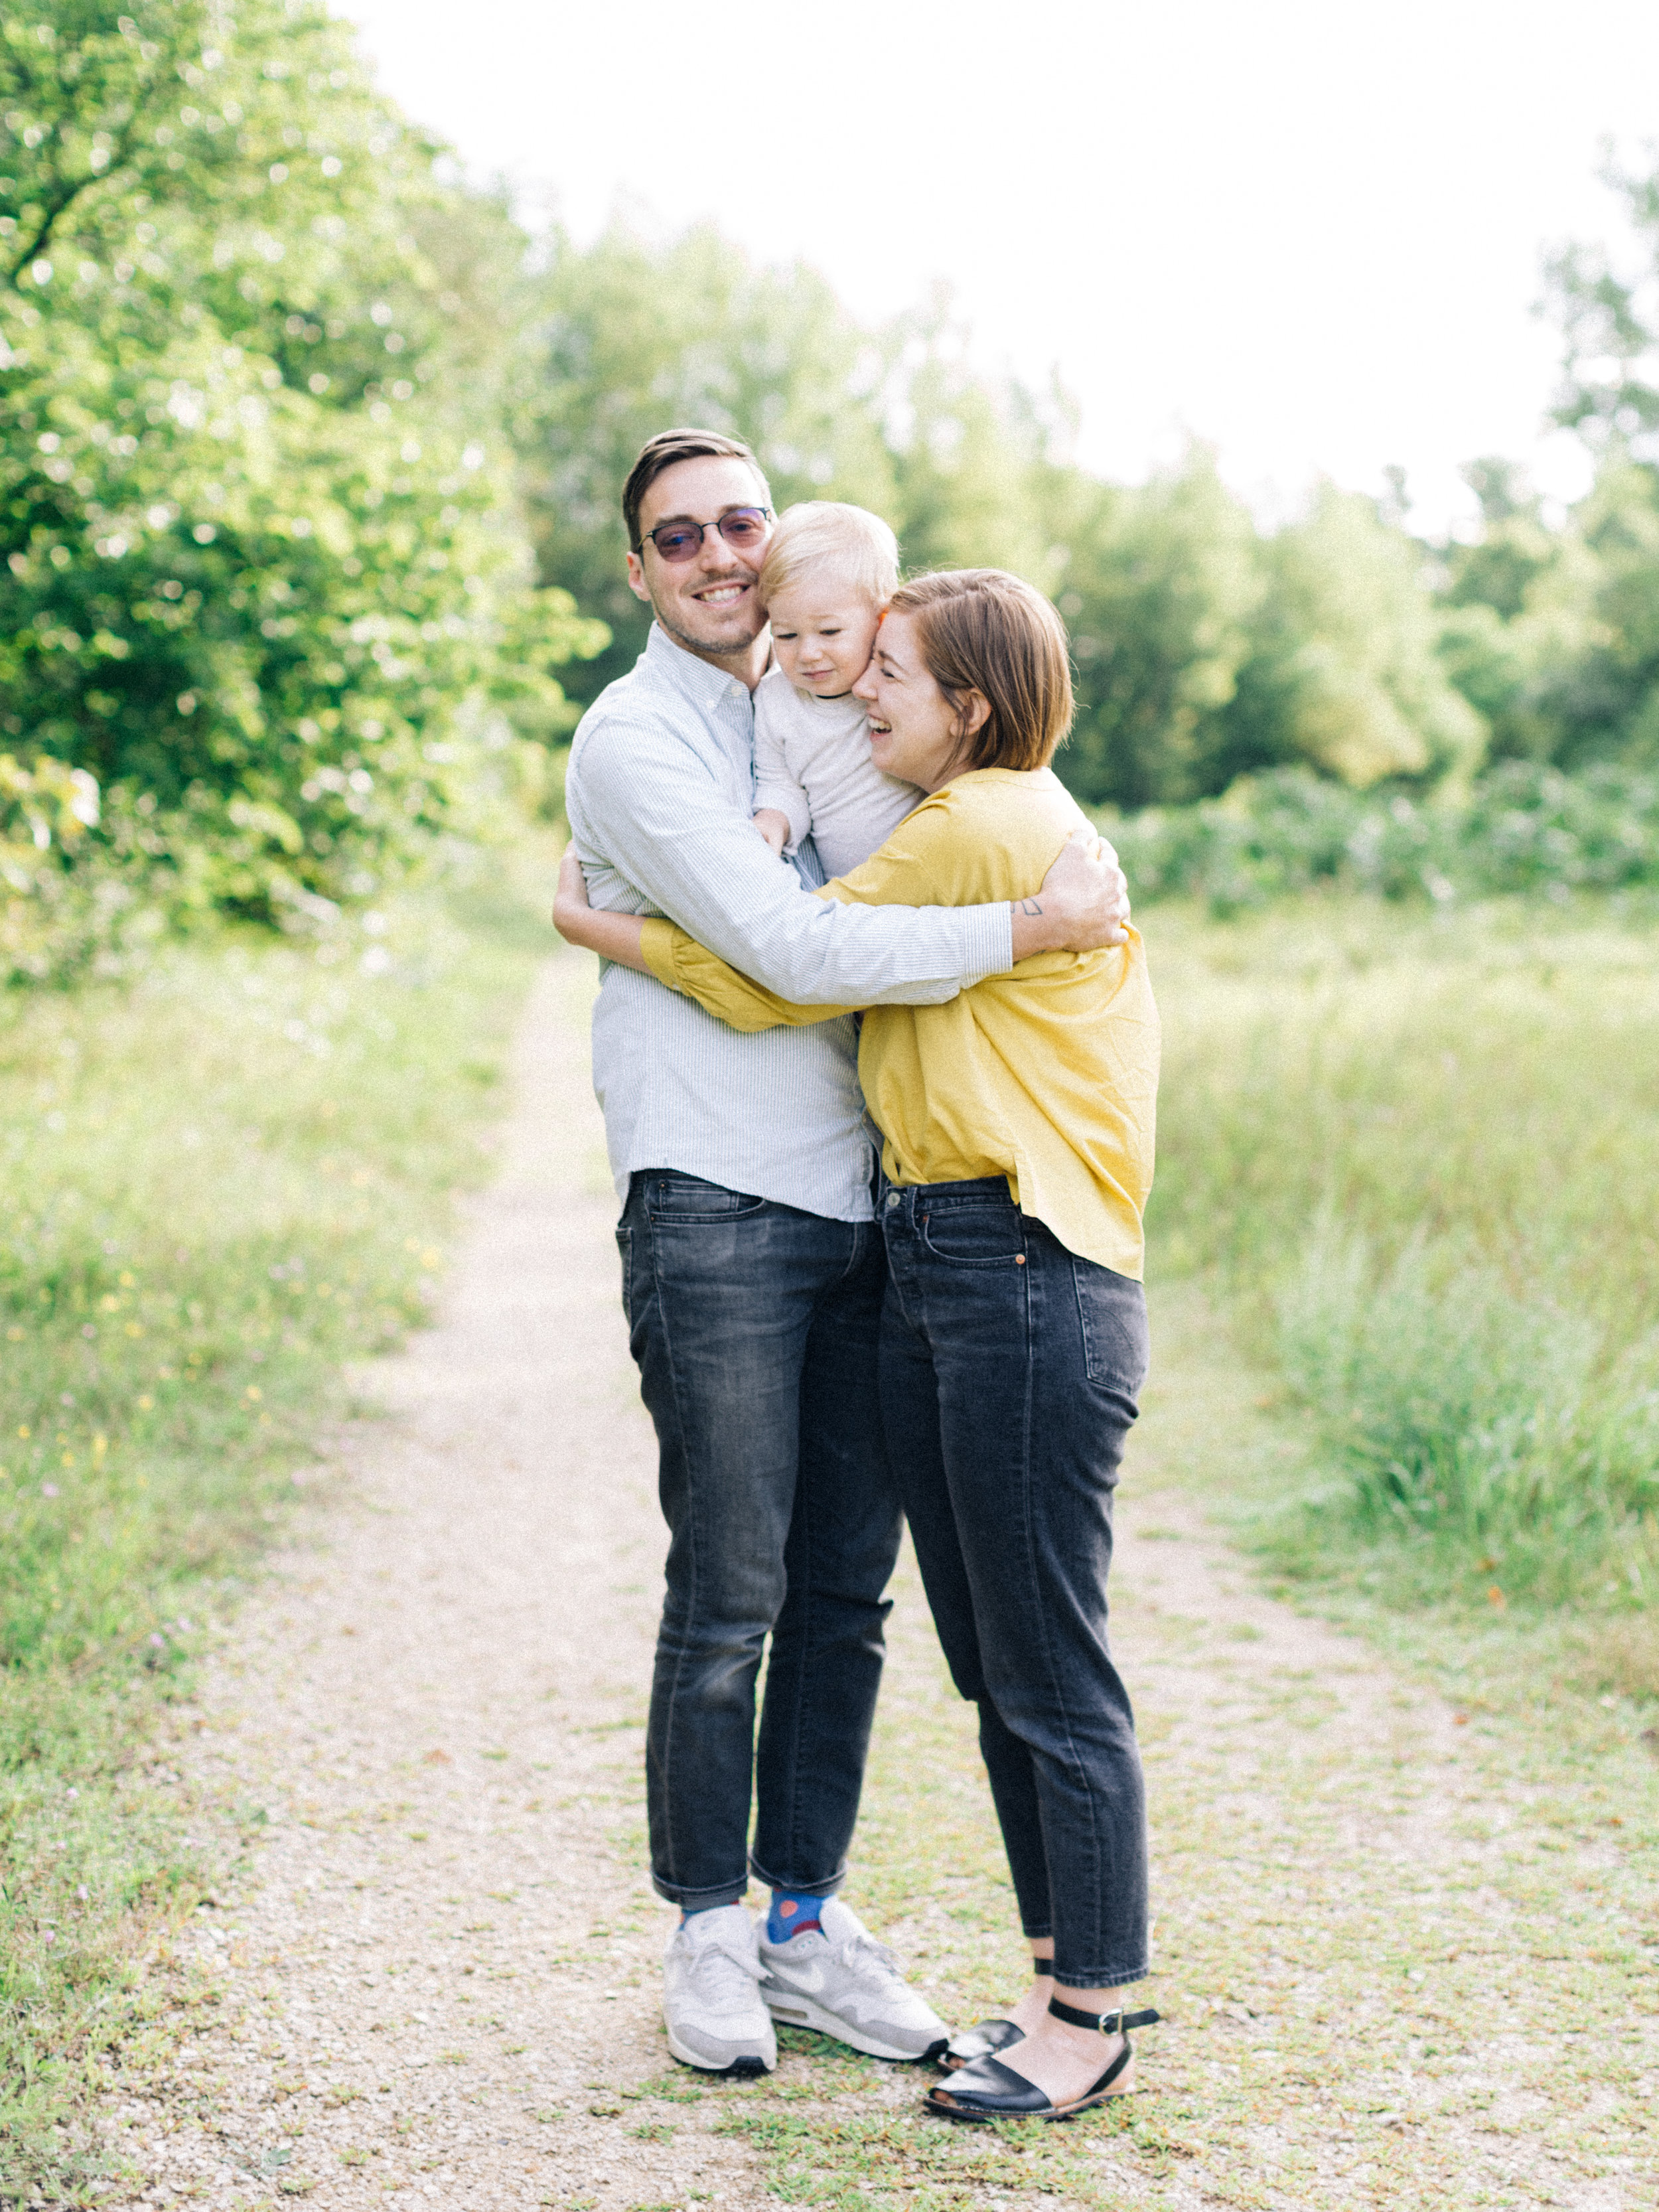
(1017, 1121)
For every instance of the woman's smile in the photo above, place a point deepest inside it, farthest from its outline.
(916, 733)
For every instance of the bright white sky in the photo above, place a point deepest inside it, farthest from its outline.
(1307, 230)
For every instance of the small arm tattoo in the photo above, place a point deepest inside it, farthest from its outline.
(1027, 906)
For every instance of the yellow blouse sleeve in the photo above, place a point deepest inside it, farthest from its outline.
(914, 867)
(678, 959)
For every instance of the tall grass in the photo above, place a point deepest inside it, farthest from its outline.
(1420, 1156)
(215, 1185)
(1491, 1427)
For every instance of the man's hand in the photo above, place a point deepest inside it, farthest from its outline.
(774, 825)
(1083, 904)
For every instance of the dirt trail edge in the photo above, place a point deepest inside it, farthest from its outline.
(440, 1978)
(451, 1932)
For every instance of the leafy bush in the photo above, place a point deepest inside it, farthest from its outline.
(1524, 829)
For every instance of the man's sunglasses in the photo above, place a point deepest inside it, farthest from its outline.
(743, 527)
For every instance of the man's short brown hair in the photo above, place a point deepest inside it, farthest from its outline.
(662, 452)
(981, 629)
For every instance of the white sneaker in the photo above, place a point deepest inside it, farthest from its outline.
(845, 1983)
(711, 2002)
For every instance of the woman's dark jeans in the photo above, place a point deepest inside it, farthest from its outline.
(756, 1327)
(1009, 1374)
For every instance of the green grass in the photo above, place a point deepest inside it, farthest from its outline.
(1416, 1157)
(1403, 1255)
(1393, 1971)
(218, 1183)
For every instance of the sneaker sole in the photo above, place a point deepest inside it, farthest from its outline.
(747, 2068)
(800, 2011)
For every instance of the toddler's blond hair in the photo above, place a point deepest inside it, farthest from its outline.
(849, 542)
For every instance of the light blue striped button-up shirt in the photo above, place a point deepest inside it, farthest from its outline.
(660, 793)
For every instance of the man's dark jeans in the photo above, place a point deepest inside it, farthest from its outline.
(1009, 1374)
(755, 1330)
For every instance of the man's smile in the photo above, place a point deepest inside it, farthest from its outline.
(721, 595)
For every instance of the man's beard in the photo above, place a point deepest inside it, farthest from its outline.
(726, 648)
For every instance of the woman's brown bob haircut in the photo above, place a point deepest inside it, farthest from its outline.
(662, 452)
(981, 629)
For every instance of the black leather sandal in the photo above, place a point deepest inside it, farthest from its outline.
(986, 2037)
(985, 2089)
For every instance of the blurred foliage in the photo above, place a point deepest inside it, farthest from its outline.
(263, 578)
(1206, 648)
(631, 339)
(309, 469)
(1342, 672)
(1523, 827)
(1162, 589)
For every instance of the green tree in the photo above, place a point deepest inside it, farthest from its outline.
(632, 337)
(1343, 673)
(969, 453)
(256, 564)
(1610, 371)
(1550, 631)
(1519, 626)
(1158, 585)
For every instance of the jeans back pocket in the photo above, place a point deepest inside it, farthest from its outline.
(625, 1250)
(1112, 1309)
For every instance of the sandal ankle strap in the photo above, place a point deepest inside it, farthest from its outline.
(1108, 2023)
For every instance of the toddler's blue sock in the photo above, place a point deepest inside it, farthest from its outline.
(794, 1911)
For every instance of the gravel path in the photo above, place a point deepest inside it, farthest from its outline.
(449, 1953)
(441, 1978)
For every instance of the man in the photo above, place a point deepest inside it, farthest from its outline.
(752, 1280)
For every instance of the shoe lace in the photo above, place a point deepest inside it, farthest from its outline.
(859, 1950)
(715, 1959)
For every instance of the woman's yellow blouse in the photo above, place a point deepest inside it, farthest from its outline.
(1047, 1075)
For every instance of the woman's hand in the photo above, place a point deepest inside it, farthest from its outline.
(571, 909)
(1083, 904)
(613, 936)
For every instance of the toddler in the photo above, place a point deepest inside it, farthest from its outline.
(830, 570)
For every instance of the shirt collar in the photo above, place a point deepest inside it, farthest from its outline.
(696, 680)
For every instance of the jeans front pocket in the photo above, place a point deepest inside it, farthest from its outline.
(669, 1199)
(978, 1233)
(625, 1250)
(1112, 1309)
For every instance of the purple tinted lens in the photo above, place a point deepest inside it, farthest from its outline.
(677, 544)
(747, 526)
